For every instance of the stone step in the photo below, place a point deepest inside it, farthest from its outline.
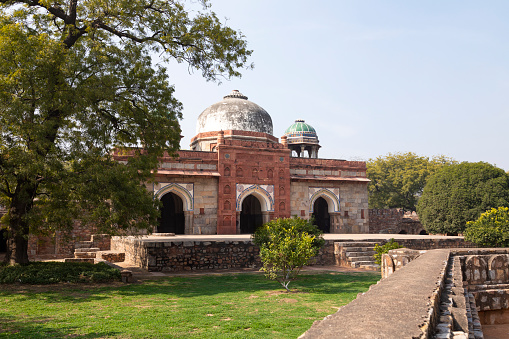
(80, 255)
(362, 262)
(84, 244)
(91, 249)
(357, 243)
(370, 267)
(357, 249)
(363, 258)
(112, 256)
(359, 254)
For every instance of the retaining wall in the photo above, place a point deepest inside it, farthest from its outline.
(199, 255)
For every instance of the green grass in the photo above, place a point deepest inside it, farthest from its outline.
(212, 306)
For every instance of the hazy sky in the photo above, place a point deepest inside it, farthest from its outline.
(372, 77)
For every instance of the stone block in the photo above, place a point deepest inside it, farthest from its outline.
(127, 276)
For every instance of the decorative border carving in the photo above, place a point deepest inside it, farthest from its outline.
(184, 190)
(264, 193)
(328, 193)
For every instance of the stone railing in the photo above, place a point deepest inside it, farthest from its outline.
(427, 294)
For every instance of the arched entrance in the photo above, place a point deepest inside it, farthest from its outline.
(321, 214)
(172, 215)
(251, 216)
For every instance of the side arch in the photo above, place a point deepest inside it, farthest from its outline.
(179, 189)
(263, 193)
(333, 201)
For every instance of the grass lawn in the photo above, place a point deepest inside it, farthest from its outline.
(212, 306)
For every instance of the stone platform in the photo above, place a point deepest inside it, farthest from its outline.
(211, 252)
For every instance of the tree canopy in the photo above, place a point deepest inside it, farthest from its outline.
(77, 79)
(460, 193)
(397, 179)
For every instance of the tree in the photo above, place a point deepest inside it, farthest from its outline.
(77, 80)
(460, 193)
(397, 180)
(491, 229)
(286, 245)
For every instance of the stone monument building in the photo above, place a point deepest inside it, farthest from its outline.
(238, 175)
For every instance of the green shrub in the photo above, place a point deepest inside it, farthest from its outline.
(286, 245)
(56, 272)
(491, 229)
(391, 245)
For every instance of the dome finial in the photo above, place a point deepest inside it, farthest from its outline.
(235, 94)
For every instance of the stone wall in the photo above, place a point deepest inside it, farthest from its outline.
(60, 243)
(177, 256)
(393, 221)
(352, 217)
(434, 243)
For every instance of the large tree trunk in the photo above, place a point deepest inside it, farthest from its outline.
(18, 229)
(17, 250)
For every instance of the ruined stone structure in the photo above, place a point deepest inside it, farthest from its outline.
(455, 294)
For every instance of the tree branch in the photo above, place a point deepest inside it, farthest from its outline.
(7, 190)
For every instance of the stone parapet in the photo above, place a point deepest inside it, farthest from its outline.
(404, 305)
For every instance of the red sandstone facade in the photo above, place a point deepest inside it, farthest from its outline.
(214, 185)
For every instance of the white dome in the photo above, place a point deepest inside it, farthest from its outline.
(234, 112)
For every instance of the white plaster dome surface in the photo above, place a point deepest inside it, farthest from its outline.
(234, 112)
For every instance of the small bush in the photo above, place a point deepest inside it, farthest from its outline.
(491, 229)
(286, 245)
(55, 272)
(391, 245)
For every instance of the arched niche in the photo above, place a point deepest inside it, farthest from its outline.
(260, 192)
(178, 189)
(331, 199)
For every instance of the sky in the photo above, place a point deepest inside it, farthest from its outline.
(372, 77)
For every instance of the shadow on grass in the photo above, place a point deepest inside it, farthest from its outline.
(13, 328)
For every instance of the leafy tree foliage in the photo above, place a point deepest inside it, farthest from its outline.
(460, 193)
(397, 180)
(491, 229)
(286, 245)
(77, 80)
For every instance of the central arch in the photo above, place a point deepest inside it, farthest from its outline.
(251, 216)
(172, 218)
(321, 214)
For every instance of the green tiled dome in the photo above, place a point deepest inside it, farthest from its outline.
(300, 127)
